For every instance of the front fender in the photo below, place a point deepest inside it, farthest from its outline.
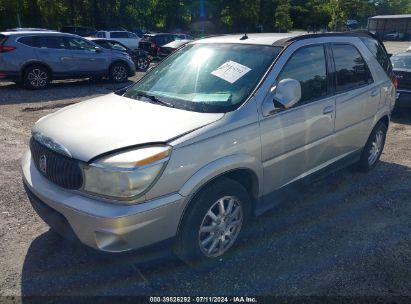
(218, 168)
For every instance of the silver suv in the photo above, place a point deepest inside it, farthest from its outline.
(36, 58)
(217, 133)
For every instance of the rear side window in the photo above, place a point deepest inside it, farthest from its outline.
(118, 35)
(379, 53)
(29, 41)
(308, 66)
(101, 35)
(51, 42)
(3, 39)
(351, 70)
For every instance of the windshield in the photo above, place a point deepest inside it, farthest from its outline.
(401, 62)
(207, 77)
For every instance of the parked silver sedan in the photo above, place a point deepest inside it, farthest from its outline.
(217, 133)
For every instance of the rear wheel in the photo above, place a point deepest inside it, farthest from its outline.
(373, 148)
(213, 223)
(118, 72)
(36, 77)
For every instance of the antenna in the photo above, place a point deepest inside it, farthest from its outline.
(245, 37)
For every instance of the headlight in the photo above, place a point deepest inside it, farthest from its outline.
(125, 175)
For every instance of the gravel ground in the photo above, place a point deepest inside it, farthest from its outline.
(348, 234)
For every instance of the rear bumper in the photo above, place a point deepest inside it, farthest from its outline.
(404, 99)
(99, 224)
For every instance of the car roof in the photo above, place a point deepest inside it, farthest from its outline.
(23, 33)
(259, 38)
(277, 39)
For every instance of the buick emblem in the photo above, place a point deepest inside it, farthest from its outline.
(43, 164)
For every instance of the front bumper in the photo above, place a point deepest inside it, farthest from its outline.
(102, 225)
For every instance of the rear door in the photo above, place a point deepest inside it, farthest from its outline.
(357, 98)
(54, 51)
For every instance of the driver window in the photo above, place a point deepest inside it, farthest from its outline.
(308, 66)
(80, 44)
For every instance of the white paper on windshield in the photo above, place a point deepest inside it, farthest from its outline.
(231, 71)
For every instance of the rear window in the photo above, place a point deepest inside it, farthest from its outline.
(379, 53)
(52, 42)
(351, 70)
(29, 41)
(401, 62)
(118, 35)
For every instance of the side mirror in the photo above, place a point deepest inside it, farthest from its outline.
(389, 55)
(287, 93)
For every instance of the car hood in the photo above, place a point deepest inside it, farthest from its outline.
(112, 122)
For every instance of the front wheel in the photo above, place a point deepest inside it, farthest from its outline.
(213, 223)
(118, 72)
(373, 148)
(142, 63)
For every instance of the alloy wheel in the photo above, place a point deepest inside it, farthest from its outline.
(37, 78)
(220, 226)
(376, 147)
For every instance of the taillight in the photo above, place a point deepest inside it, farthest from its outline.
(394, 80)
(4, 48)
(153, 45)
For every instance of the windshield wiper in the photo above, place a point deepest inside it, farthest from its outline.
(153, 98)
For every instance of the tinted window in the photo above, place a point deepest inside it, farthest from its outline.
(118, 35)
(2, 39)
(351, 69)
(29, 41)
(401, 62)
(116, 46)
(379, 53)
(51, 42)
(132, 35)
(101, 35)
(308, 66)
(80, 44)
(103, 44)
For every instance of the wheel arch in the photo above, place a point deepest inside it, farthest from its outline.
(35, 62)
(247, 173)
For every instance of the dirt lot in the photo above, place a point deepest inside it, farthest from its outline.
(349, 234)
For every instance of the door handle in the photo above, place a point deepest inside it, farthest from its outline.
(328, 110)
(374, 93)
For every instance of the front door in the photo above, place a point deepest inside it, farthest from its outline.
(298, 140)
(86, 58)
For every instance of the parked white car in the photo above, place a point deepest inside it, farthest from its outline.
(129, 39)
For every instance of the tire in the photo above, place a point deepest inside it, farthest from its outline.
(118, 72)
(206, 249)
(36, 77)
(373, 148)
(142, 64)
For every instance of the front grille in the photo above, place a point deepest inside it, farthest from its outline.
(59, 169)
